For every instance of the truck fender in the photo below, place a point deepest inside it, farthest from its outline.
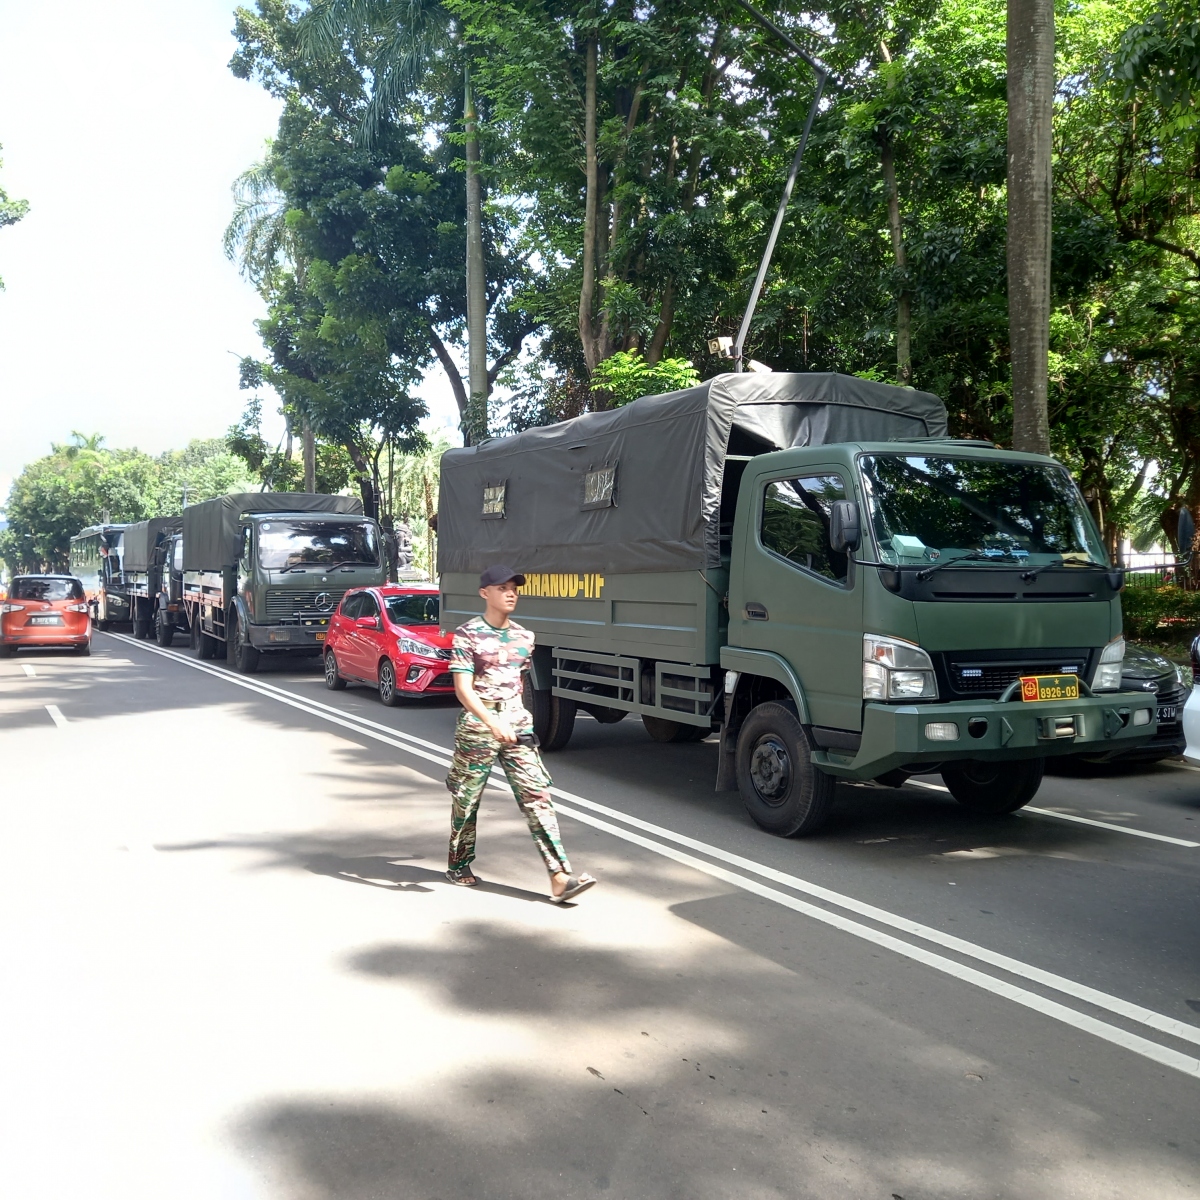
(541, 668)
(753, 668)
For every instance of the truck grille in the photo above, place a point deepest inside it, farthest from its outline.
(282, 605)
(975, 675)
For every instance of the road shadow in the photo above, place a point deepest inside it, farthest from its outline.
(577, 1069)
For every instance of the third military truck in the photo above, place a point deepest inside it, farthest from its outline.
(810, 567)
(263, 571)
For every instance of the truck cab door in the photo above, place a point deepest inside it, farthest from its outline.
(800, 598)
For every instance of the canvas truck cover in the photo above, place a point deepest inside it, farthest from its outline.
(211, 529)
(140, 540)
(663, 459)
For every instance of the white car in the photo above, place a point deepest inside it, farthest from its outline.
(1191, 711)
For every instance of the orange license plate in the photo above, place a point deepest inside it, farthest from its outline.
(320, 637)
(1049, 687)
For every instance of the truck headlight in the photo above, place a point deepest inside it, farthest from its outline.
(1108, 670)
(896, 670)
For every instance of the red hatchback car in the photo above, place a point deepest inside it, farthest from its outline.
(389, 638)
(45, 610)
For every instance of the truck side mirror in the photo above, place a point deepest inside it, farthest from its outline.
(1186, 534)
(844, 531)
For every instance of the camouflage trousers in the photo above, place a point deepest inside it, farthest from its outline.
(475, 752)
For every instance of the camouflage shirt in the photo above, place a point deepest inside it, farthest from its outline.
(498, 658)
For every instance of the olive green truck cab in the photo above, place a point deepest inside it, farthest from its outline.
(263, 572)
(809, 567)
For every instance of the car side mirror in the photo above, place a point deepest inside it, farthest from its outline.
(1186, 534)
(844, 531)
(367, 622)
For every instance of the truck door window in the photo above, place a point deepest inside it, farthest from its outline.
(795, 524)
(246, 549)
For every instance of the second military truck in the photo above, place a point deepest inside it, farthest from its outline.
(262, 572)
(807, 565)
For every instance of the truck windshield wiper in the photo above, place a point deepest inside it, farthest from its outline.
(350, 562)
(974, 556)
(1074, 562)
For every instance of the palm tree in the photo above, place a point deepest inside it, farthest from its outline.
(1030, 115)
(417, 31)
(257, 238)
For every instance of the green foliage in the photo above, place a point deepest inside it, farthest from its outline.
(1158, 613)
(627, 376)
(11, 211)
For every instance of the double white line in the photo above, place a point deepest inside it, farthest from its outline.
(664, 842)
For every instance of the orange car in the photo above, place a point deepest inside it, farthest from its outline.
(45, 610)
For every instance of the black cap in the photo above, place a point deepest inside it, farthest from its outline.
(501, 574)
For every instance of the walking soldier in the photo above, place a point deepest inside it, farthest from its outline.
(491, 655)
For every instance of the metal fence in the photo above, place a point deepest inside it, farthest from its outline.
(1150, 571)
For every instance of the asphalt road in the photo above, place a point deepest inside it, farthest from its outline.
(233, 969)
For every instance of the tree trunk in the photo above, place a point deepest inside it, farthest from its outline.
(903, 296)
(477, 348)
(1030, 114)
(587, 287)
(365, 487)
(310, 457)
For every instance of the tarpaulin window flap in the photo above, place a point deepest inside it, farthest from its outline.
(493, 501)
(599, 487)
(671, 450)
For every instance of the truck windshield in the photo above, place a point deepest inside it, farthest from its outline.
(928, 509)
(421, 609)
(319, 543)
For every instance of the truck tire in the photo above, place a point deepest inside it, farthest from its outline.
(783, 791)
(994, 788)
(553, 716)
(333, 678)
(389, 693)
(140, 629)
(242, 656)
(204, 645)
(164, 631)
(662, 730)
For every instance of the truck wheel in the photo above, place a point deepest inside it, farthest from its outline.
(333, 680)
(662, 730)
(781, 788)
(992, 788)
(164, 631)
(141, 629)
(204, 645)
(389, 693)
(553, 717)
(243, 656)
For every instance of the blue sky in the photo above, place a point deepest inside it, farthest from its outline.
(123, 128)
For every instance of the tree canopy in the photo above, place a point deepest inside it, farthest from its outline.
(632, 158)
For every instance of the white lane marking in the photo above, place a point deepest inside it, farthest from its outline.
(56, 716)
(1049, 812)
(1093, 996)
(1142, 833)
(29, 670)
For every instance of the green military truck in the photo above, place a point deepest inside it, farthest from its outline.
(263, 572)
(807, 565)
(147, 546)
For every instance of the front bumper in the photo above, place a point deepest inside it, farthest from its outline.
(423, 676)
(309, 636)
(895, 735)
